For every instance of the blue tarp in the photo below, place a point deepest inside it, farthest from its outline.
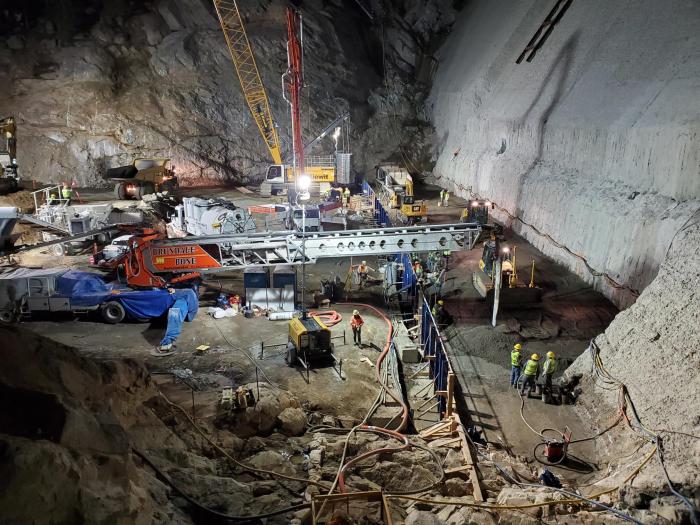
(87, 289)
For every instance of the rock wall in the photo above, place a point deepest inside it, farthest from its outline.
(595, 142)
(651, 347)
(95, 84)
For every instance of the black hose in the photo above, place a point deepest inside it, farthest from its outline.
(219, 517)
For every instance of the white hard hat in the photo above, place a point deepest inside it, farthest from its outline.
(364, 262)
(355, 312)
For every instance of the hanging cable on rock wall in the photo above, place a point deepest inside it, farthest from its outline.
(628, 408)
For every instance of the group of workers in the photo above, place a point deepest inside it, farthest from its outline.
(444, 198)
(531, 370)
(66, 196)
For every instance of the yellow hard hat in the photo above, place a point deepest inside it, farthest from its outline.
(550, 354)
(355, 312)
(53, 195)
(535, 357)
(441, 302)
(517, 346)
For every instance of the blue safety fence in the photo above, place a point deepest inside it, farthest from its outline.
(409, 280)
(434, 349)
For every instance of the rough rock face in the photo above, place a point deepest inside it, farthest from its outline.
(64, 448)
(652, 348)
(594, 143)
(95, 84)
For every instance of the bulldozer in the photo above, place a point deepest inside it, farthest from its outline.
(309, 342)
(143, 177)
(478, 212)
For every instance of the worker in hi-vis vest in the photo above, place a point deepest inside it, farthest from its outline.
(532, 367)
(548, 368)
(516, 364)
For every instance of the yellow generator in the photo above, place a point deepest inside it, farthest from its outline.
(309, 340)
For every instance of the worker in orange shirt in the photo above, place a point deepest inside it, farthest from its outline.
(363, 273)
(356, 323)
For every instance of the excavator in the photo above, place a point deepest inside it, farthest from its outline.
(9, 179)
(397, 189)
(323, 171)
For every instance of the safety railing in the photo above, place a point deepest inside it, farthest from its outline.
(440, 368)
(381, 216)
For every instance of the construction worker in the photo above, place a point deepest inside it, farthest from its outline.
(418, 268)
(66, 193)
(438, 310)
(548, 368)
(516, 363)
(346, 195)
(356, 323)
(446, 254)
(362, 270)
(446, 198)
(442, 197)
(532, 367)
(53, 200)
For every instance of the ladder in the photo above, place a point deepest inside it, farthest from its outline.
(545, 29)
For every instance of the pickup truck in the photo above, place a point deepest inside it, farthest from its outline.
(25, 291)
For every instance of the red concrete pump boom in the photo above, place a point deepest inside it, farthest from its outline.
(294, 81)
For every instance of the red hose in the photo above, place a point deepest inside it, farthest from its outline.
(329, 317)
(380, 360)
(370, 428)
(404, 416)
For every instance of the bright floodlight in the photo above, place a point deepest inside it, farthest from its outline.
(303, 183)
(475, 204)
(488, 204)
(506, 249)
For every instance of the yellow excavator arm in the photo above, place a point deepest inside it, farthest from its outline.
(248, 74)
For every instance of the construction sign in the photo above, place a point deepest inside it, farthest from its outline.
(181, 257)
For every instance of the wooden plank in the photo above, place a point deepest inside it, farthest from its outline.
(439, 427)
(243, 189)
(461, 468)
(450, 392)
(446, 443)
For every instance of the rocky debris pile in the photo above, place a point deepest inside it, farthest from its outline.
(274, 408)
(81, 441)
(65, 449)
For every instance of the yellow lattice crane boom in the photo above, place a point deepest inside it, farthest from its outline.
(248, 74)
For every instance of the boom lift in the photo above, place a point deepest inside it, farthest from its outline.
(321, 170)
